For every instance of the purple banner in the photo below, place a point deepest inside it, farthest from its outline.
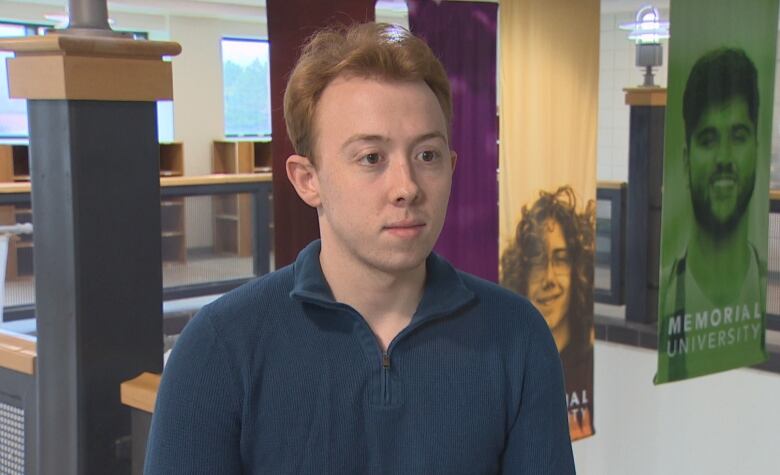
(463, 36)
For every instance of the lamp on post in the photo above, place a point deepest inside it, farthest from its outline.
(647, 31)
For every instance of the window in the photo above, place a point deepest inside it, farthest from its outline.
(247, 85)
(13, 112)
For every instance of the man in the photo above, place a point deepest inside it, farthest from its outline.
(718, 277)
(370, 354)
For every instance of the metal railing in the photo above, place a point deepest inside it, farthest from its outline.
(188, 270)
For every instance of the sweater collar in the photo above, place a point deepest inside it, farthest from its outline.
(444, 291)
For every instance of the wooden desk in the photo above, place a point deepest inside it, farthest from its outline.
(140, 392)
(17, 352)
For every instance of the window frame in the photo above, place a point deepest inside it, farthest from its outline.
(262, 136)
(30, 29)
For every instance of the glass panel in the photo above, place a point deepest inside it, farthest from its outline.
(603, 258)
(773, 279)
(247, 85)
(204, 239)
(13, 112)
(207, 239)
(19, 284)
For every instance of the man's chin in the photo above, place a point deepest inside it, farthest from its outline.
(718, 223)
(719, 220)
(399, 262)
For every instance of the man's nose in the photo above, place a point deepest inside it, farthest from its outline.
(403, 184)
(723, 153)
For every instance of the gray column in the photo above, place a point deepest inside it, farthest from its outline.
(643, 216)
(96, 214)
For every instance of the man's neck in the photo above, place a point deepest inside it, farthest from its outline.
(719, 264)
(386, 300)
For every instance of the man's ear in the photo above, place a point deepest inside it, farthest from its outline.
(454, 159)
(303, 176)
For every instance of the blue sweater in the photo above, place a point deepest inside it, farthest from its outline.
(278, 378)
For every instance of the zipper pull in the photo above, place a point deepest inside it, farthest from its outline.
(385, 360)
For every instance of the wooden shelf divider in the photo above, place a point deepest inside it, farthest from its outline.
(233, 213)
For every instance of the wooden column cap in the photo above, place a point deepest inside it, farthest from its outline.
(645, 96)
(71, 67)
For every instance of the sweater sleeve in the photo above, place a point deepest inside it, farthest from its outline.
(539, 442)
(196, 424)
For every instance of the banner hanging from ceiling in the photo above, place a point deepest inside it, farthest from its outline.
(714, 229)
(547, 176)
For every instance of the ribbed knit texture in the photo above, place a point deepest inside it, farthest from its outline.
(278, 378)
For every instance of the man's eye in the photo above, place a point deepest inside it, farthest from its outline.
(371, 158)
(740, 135)
(706, 139)
(427, 155)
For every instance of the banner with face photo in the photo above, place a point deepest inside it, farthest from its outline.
(712, 295)
(547, 184)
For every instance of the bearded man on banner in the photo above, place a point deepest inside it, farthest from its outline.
(716, 283)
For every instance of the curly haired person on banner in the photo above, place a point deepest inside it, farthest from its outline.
(551, 262)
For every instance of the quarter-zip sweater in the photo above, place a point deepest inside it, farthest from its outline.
(276, 377)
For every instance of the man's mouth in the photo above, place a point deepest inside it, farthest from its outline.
(405, 228)
(723, 184)
(723, 179)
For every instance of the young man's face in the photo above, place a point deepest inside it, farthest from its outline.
(721, 159)
(384, 171)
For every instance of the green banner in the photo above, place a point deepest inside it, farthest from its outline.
(714, 227)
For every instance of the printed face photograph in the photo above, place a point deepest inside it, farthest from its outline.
(549, 279)
(721, 160)
(550, 261)
(384, 170)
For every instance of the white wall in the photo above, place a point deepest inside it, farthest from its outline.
(198, 107)
(617, 70)
(724, 424)
(197, 84)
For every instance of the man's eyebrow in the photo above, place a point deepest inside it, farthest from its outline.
(381, 138)
(747, 126)
(364, 138)
(430, 135)
(708, 130)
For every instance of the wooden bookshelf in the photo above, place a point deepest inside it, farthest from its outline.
(233, 213)
(241, 156)
(15, 168)
(171, 159)
(173, 236)
(172, 229)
